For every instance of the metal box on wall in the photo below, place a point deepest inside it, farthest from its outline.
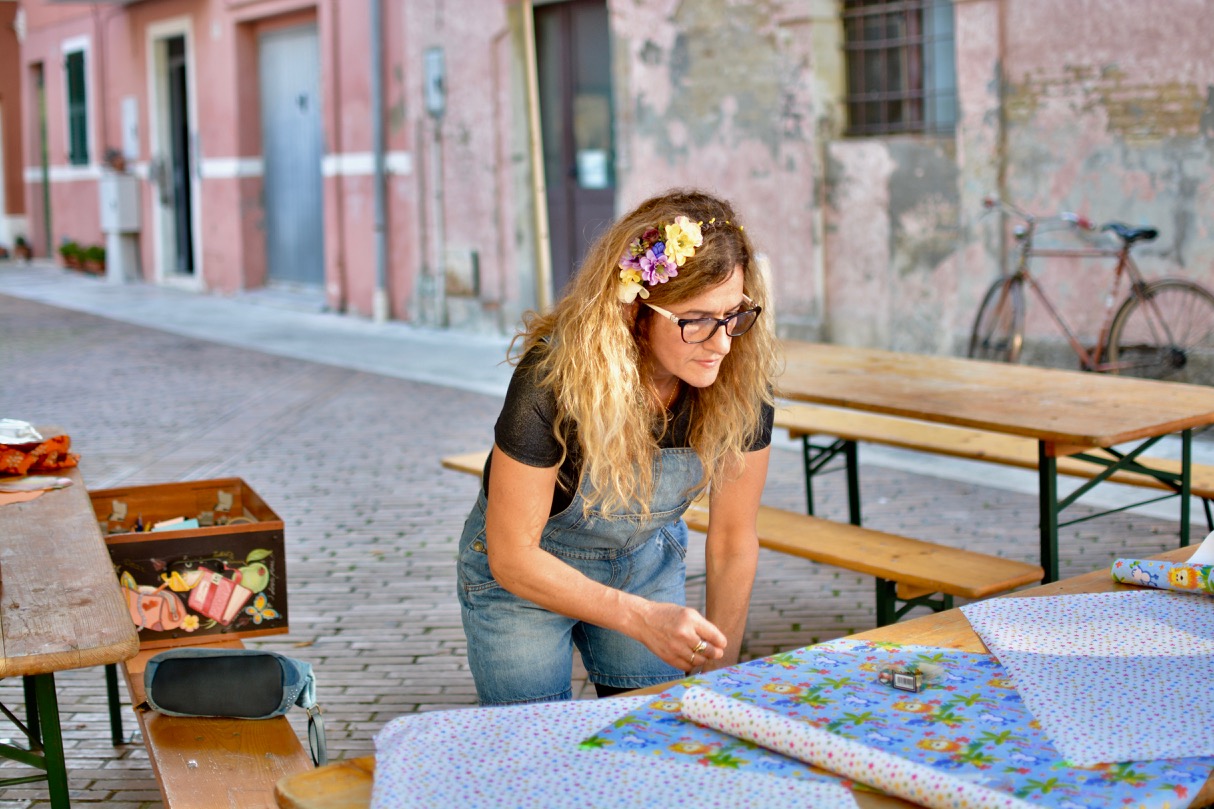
(120, 210)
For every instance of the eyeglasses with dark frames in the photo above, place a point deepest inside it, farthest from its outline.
(702, 329)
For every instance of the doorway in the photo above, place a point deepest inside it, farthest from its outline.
(173, 168)
(573, 56)
(289, 67)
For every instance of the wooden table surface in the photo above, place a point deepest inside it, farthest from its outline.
(1069, 408)
(1066, 412)
(61, 606)
(347, 784)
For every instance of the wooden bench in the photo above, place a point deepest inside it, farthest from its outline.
(909, 572)
(204, 763)
(848, 427)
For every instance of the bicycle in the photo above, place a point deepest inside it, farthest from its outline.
(1163, 329)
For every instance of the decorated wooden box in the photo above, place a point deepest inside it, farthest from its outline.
(198, 561)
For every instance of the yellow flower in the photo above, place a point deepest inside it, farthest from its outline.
(190, 623)
(630, 286)
(682, 239)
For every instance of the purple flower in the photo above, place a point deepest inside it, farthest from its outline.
(630, 262)
(656, 266)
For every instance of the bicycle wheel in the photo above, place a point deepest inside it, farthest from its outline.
(1166, 333)
(998, 332)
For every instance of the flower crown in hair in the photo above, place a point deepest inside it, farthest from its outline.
(655, 257)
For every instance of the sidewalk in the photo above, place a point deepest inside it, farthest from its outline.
(265, 322)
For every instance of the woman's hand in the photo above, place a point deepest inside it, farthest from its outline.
(679, 635)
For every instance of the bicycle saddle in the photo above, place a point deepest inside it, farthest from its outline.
(1130, 235)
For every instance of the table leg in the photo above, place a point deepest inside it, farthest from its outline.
(1047, 475)
(1186, 483)
(815, 457)
(33, 729)
(853, 482)
(52, 740)
(115, 704)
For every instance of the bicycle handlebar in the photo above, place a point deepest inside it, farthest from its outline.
(1068, 217)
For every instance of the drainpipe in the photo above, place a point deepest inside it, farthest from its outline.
(379, 303)
(1001, 135)
(543, 255)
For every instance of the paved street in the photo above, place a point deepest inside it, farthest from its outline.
(339, 426)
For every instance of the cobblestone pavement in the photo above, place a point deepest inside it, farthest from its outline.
(350, 460)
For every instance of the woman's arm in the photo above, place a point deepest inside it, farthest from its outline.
(520, 497)
(732, 550)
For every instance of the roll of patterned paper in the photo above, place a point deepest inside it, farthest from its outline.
(876, 768)
(1184, 577)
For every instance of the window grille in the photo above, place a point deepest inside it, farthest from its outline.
(77, 109)
(901, 71)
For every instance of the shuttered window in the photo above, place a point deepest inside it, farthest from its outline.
(901, 71)
(77, 109)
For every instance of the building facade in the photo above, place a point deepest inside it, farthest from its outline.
(445, 162)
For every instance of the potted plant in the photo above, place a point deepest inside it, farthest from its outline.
(71, 253)
(94, 259)
(22, 249)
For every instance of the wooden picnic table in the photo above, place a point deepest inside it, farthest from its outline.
(1066, 412)
(60, 608)
(347, 784)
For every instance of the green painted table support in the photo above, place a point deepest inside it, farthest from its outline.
(1047, 503)
(816, 456)
(889, 612)
(115, 704)
(45, 738)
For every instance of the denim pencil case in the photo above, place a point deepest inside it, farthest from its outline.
(234, 683)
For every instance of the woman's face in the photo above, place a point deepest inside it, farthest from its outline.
(697, 364)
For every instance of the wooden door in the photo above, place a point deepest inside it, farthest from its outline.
(574, 63)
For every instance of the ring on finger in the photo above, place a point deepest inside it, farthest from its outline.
(701, 646)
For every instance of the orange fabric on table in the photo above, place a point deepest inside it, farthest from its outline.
(46, 456)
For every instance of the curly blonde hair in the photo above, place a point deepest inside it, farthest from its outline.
(592, 349)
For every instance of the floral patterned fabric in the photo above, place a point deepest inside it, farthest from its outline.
(801, 740)
(968, 723)
(1110, 676)
(528, 756)
(1181, 576)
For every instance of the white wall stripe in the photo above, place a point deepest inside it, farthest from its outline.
(355, 164)
(63, 173)
(227, 168)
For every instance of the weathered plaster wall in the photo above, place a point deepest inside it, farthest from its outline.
(1089, 106)
(716, 94)
(1110, 112)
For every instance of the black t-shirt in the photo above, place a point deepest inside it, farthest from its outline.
(524, 431)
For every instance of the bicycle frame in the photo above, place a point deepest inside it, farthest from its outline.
(1089, 360)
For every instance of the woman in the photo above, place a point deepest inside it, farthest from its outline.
(649, 380)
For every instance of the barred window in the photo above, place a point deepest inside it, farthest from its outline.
(901, 72)
(77, 109)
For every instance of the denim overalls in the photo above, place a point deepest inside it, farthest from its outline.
(520, 652)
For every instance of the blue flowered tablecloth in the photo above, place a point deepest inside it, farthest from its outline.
(968, 721)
